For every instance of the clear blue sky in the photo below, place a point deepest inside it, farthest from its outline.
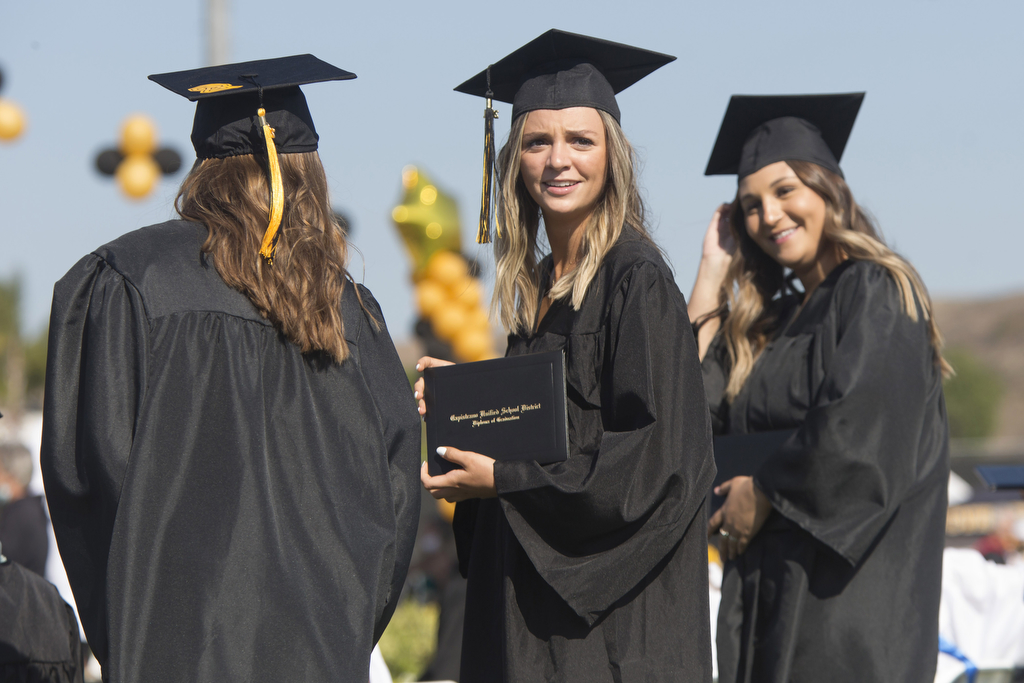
(936, 155)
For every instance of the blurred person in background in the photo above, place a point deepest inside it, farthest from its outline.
(22, 516)
(1006, 543)
(229, 448)
(833, 547)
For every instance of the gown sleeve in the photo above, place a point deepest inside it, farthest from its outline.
(390, 389)
(862, 448)
(597, 524)
(95, 379)
(715, 370)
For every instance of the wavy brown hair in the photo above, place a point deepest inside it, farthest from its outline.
(517, 253)
(301, 293)
(755, 280)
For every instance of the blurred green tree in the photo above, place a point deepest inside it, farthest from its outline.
(972, 396)
(35, 370)
(12, 370)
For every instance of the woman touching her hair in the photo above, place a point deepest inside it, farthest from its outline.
(593, 569)
(833, 547)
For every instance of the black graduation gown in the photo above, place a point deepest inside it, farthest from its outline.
(842, 582)
(595, 569)
(39, 641)
(23, 533)
(228, 509)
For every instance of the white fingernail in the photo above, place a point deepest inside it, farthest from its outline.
(419, 367)
(441, 450)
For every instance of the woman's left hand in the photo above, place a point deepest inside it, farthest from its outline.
(474, 480)
(741, 516)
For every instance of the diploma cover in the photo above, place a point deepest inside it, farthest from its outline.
(739, 455)
(510, 408)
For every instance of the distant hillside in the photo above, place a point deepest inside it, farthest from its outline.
(993, 331)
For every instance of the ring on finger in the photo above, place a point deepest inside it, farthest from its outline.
(723, 533)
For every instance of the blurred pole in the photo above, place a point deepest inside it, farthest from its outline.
(217, 46)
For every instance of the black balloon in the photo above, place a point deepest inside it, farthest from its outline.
(108, 160)
(168, 160)
(344, 221)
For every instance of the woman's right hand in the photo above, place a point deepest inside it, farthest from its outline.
(421, 365)
(719, 245)
(716, 256)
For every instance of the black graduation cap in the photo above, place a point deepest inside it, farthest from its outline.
(759, 130)
(229, 96)
(558, 70)
(253, 106)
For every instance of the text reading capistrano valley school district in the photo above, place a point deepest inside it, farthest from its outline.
(488, 417)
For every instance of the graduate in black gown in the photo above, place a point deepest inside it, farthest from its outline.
(593, 569)
(834, 545)
(229, 449)
(39, 641)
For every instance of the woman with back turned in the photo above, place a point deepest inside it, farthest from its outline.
(593, 569)
(833, 547)
(229, 460)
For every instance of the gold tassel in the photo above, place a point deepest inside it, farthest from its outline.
(487, 193)
(488, 199)
(276, 192)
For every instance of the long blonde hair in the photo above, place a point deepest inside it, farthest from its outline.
(517, 253)
(754, 279)
(301, 293)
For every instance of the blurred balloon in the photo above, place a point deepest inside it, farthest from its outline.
(449, 320)
(427, 219)
(137, 174)
(138, 135)
(168, 160)
(447, 267)
(477, 319)
(137, 163)
(12, 120)
(108, 160)
(453, 323)
(430, 296)
(473, 344)
(467, 291)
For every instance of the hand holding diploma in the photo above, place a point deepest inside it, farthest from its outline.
(475, 479)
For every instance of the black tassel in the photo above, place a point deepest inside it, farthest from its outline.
(487, 195)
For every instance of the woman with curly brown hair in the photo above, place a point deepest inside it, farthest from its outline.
(229, 450)
(833, 546)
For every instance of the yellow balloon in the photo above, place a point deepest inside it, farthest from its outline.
(430, 296)
(12, 120)
(137, 174)
(138, 135)
(477, 319)
(448, 320)
(467, 291)
(472, 345)
(447, 267)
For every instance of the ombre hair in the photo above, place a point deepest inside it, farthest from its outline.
(754, 281)
(516, 251)
(301, 293)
